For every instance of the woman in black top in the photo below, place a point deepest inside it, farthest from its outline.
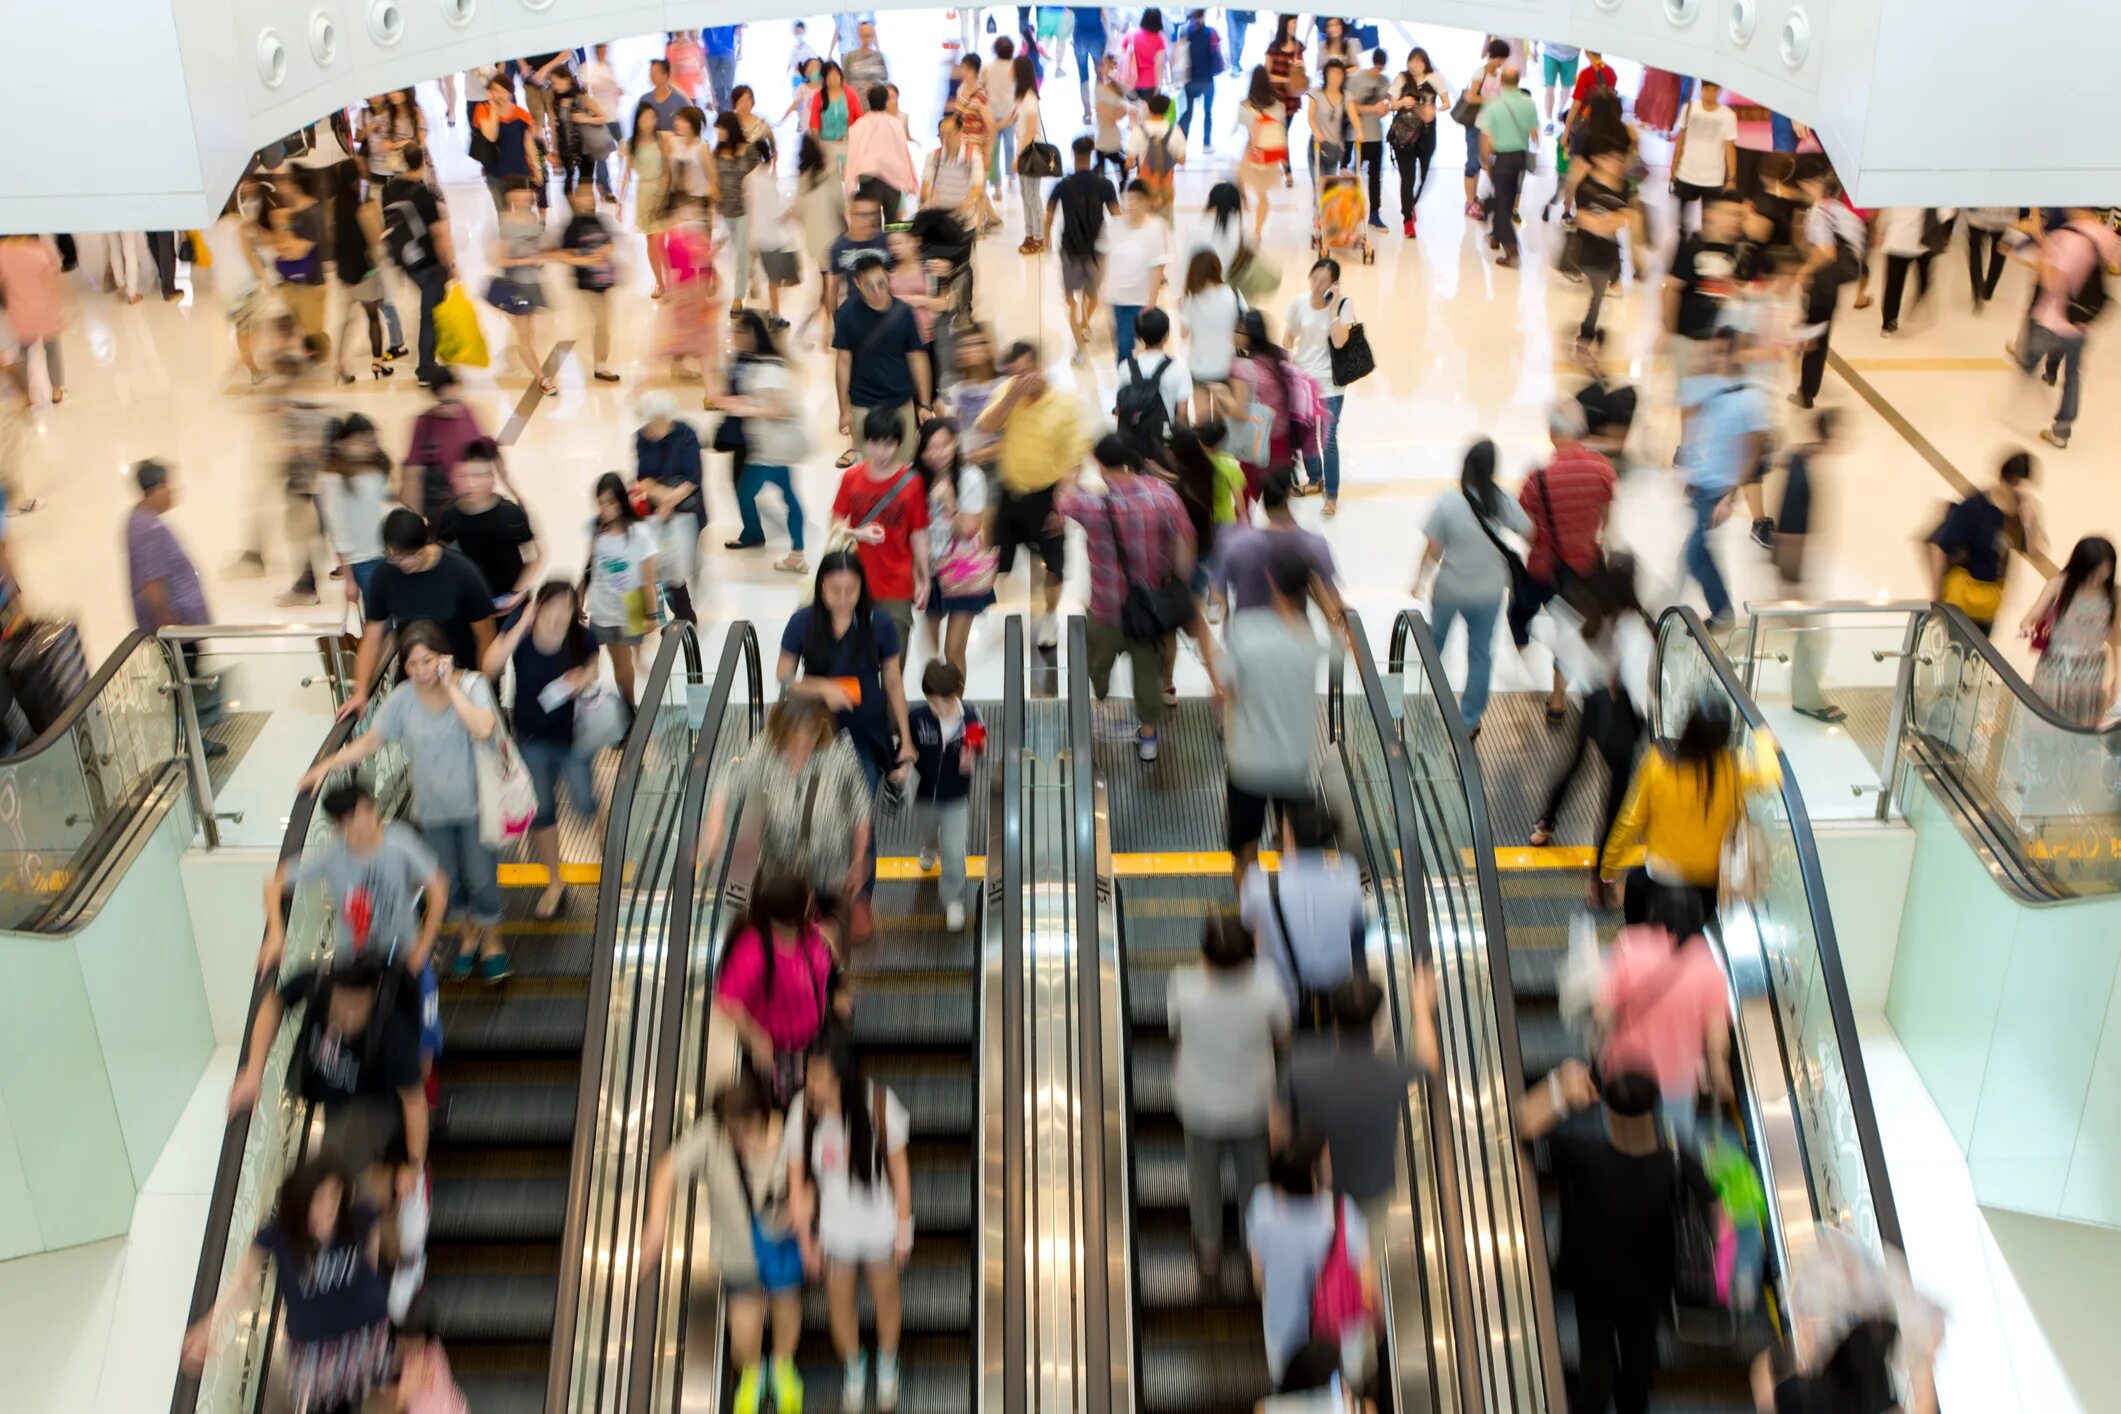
(555, 664)
(357, 230)
(1602, 212)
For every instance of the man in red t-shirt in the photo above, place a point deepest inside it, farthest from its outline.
(884, 506)
(1595, 74)
(1567, 501)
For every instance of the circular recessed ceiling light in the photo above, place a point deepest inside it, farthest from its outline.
(1682, 12)
(1796, 39)
(537, 4)
(1608, 4)
(458, 12)
(323, 37)
(1745, 18)
(386, 22)
(272, 58)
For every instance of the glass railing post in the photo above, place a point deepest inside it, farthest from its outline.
(1896, 719)
(202, 783)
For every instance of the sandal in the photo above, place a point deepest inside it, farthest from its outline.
(559, 901)
(847, 458)
(792, 564)
(1556, 715)
(1863, 302)
(1542, 834)
(1829, 713)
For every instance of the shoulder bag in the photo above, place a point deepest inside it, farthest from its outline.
(1340, 1305)
(1352, 361)
(845, 538)
(1041, 158)
(1150, 611)
(508, 799)
(1520, 577)
(1566, 579)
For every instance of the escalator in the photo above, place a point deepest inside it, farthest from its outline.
(1152, 869)
(927, 1015)
(521, 1090)
(1804, 1110)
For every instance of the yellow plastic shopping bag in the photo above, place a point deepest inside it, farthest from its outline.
(457, 336)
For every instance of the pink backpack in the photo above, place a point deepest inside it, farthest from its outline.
(1339, 1304)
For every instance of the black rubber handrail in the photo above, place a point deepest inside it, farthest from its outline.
(228, 1171)
(1089, 1001)
(574, 1234)
(1465, 1342)
(1409, 627)
(75, 709)
(1813, 877)
(1009, 758)
(1970, 639)
(739, 662)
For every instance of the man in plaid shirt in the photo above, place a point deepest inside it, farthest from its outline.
(1156, 540)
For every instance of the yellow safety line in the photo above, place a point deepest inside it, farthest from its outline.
(1929, 365)
(1181, 864)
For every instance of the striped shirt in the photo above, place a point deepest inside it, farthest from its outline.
(1152, 520)
(1566, 501)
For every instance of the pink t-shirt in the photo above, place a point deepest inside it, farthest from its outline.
(794, 1013)
(29, 284)
(1661, 1004)
(1147, 47)
(2073, 253)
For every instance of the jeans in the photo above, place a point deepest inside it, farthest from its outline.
(1123, 317)
(364, 574)
(1414, 172)
(1204, 1180)
(747, 503)
(1034, 207)
(1599, 281)
(551, 762)
(721, 78)
(1369, 154)
(1819, 306)
(162, 246)
(1240, 21)
(434, 285)
(1984, 280)
(2041, 342)
(392, 325)
(1089, 48)
(1700, 560)
(473, 869)
(1326, 467)
(1204, 94)
(1480, 617)
(1896, 268)
(1001, 154)
(943, 825)
(1144, 657)
(1508, 173)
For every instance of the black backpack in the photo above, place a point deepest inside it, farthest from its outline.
(1139, 407)
(2088, 301)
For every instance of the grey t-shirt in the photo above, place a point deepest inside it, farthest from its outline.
(374, 896)
(1273, 671)
(438, 748)
(1352, 1098)
(1322, 899)
(1473, 570)
(1244, 552)
(1225, 1024)
(1364, 88)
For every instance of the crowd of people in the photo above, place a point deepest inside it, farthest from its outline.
(961, 448)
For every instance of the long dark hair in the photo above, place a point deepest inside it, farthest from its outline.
(1194, 472)
(1026, 75)
(930, 430)
(1225, 203)
(865, 1156)
(1477, 477)
(579, 647)
(349, 243)
(818, 641)
(809, 156)
(1260, 94)
(1704, 742)
(633, 143)
(614, 485)
(2091, 554)
(291, 1212)
(729, 131)
(1259, 346)
(754, 324)
(825, 77)
(782, 898)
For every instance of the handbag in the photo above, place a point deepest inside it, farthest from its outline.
(1520, 577)
(1581, 978)
(1041, 158)
(1978, 599)
(1255, 277)
(1149, 612)
(508, 798)
(1352, 361)
(1695, 1243)
(1465, 111)
(1340, 1304)
(600, 720)
(967, 570)
(596, 139)
(458, 339)
(729, 435)
(1743, 876)
(2044, 631)
(1251, 433)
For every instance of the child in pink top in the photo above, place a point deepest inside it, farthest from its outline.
(1146, 47)
(776, 983)
(1666, 1006)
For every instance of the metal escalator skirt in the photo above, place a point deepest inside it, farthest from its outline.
(999, 1316)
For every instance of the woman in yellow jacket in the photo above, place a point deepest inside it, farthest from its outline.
(1682, 803)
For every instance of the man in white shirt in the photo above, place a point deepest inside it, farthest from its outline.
(1152, 330)
(1705, 158)
(1136, 250)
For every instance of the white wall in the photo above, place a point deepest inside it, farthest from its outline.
(1866, 868)
(144, 111)
(225, 892)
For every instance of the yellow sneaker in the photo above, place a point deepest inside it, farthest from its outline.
(787, 1388)
(747, 1391)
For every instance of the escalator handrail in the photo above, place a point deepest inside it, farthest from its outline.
(235, 1136)
(1813, 877)
(1971, 640)
(1091, 1099)
(78, 706)
(740, 651)
(1408, 627)
(1015, 1355)
(618, 824)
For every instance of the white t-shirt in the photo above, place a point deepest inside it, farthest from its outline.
(1702, 164)
(1211, 332)
(1226, 1025)
(616, 560)
(1174, 385)
(855, 1223)
(1026, 121)
(354, 507)
(1000, 83)
(1133, 254)
(1309, 332)
(1900, 228)
(603, 86)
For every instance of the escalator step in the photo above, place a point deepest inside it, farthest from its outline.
(942, 1190)
(930, 1382)
(939, 1105)
(503, 1394)
(1168, 1279)
(1187, 1370)
(482, 1306)
(498, 1024)
(1159, 1173)
(1545, 1042)
(1707, 1360)
(486, 1115)
(1535, 972)
(935, 1288)
(490, 1208)
(892, 1012)
(1150, 1062)
(546, 956)
(922, 946)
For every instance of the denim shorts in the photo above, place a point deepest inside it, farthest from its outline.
(551, 762)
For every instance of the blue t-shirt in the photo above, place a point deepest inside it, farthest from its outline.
(719, 39)
(1725, 410)
(868, 722)
(337, 1291)
(1290, 1236)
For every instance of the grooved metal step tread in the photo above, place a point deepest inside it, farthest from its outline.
(904, 1013)
(1543, 1041)
(937, 1106)
(923, 946)
(514, 1115)
(1159, 1173)
(942, 1190)
(1674, 1354)
(503, 1394)
(512, 1306)
(1186, 1368)
(498, 1024)
(935, 1288)
(925, 1387)
(472, 1207)
(1175, 802)
(1169, 1279)
(543, 956)
(1520, 756)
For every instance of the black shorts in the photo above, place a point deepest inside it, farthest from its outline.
(1687, 191)
(1525, 605)
(1248, 814)
(1027, 520)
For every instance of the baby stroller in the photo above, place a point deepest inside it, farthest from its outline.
(1341, 221)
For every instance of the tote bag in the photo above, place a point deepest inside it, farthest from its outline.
(508, 799)
(457, 336)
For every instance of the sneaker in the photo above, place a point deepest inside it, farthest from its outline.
(460, 966)
(1506, 261)
(954, 917)
(1170, 697)
(854, 1390)
(1764, 533)
(1886, 331)
(1377, 222)
(605, 375)
(2053, 439)
(1048, 635)
(1145, 746)
(494, 968)
(787, 1388)
(296, 599)
(928, 860)
(1473, 209)
(792, 564)
(1410, 228)
(747, 1391)
(886, 1381)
